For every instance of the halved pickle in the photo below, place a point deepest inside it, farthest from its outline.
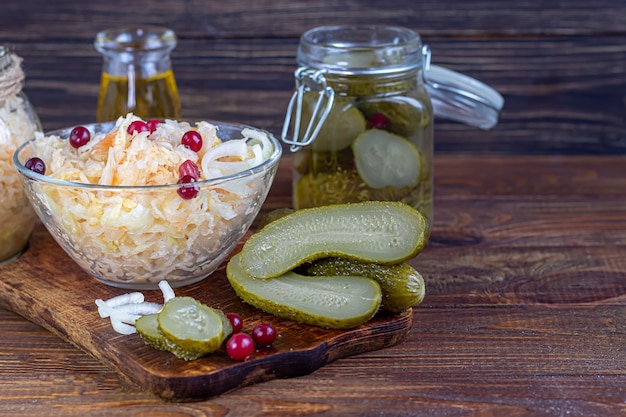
(335, 302)
(373, 231)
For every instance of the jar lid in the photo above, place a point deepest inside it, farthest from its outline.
(351, 50)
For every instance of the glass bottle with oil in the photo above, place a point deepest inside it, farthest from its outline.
(137, 74)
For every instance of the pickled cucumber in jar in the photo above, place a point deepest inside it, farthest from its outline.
(376, 141)
(373, 147)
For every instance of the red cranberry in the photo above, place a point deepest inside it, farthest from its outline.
(239, 346)
(79, 136)
(189, 168)
(187, 191)
(137, 126)
(235, 321)
(36, 165)
(153, 124)
(379, 121)
(192, 140)
(264, 334)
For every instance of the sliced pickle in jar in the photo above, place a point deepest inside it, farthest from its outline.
(371, 231)
(404, 114)
(383, 159)
(339, 302)
(192, 326)
(402, 286)
(344, 123)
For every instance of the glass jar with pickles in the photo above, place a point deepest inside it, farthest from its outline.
(361, 116)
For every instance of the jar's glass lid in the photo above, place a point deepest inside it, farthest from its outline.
(360, 49)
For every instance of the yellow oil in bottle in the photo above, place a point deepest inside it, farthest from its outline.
(153, 97)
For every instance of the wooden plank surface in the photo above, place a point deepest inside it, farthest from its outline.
(525, 305)
(525, 314)
(46, 287)
(560, 66)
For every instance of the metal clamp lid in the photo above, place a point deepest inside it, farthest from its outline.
(307, 80)
(454, 96)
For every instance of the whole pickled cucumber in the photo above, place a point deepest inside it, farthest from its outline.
(402, 286)
(340, 302)
(372, 231)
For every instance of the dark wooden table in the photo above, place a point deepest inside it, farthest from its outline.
(525, 314)
(525, 311)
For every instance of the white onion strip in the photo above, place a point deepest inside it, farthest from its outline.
(124, 310)
(168, 292)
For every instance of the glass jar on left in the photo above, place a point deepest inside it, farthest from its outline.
(18, 123)
(137, 74)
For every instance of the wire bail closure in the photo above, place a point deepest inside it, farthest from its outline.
(307, 80)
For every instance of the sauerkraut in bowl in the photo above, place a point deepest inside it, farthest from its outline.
(138, 202)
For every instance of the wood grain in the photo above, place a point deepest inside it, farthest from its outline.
(560, 67)
(525, 305)
(46, 287)
(524, 314)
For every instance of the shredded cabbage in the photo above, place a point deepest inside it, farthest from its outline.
(18, 218)
(145, 235)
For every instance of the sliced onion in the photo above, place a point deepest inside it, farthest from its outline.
(124, 310)
(122, 328)
(166, 289)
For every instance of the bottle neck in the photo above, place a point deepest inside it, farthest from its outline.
(142, 52)
(139, 65)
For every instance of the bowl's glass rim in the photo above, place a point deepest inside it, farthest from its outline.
(262, 167)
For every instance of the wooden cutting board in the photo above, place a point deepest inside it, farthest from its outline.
(46, 287)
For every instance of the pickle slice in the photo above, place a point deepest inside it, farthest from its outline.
(383, 159)
(402, 286)
(344, 123)
(148, 327)
(373, 231)
(195, 328)
(340, 302)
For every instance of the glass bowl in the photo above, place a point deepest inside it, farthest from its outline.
(135, 236)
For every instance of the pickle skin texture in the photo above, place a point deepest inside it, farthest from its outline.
(372, 231)
(296, 297)
(401, 285)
